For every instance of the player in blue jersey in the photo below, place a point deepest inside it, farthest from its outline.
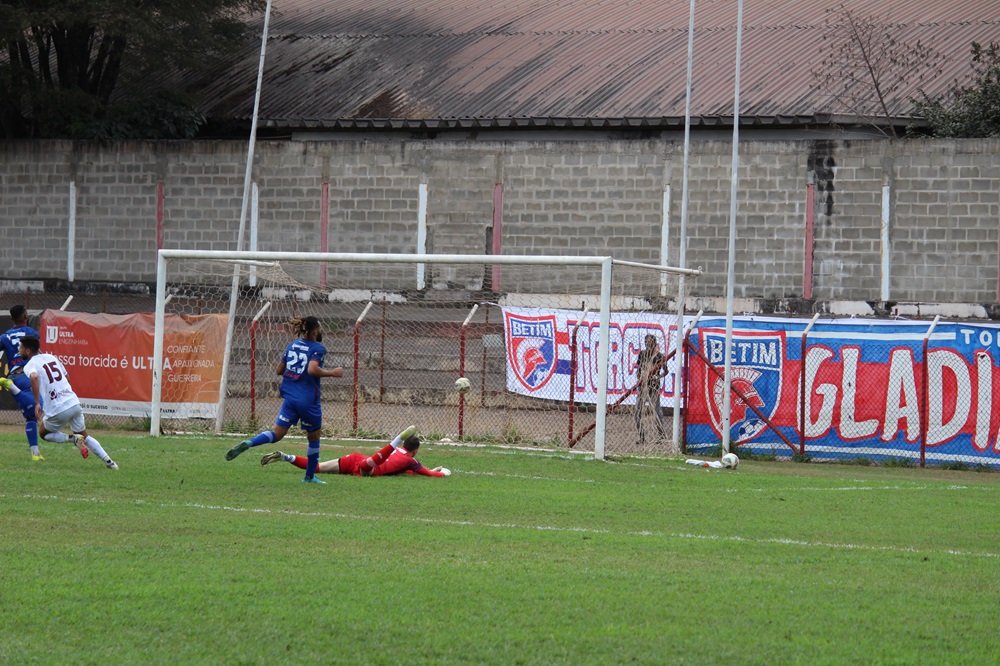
(300, 369)
(16, 381)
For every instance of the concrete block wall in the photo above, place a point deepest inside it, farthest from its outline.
(593, 200)
(945, 217)
(559, 197)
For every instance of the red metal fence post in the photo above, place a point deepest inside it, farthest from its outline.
(253, 369)
(357, 356)
(923, 398)
(803, 403)
(461, 369)
(572, 374)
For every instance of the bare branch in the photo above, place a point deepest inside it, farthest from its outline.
(870, 65)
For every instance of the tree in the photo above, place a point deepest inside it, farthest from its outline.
(968, 111)
(83, 68)
(869, 67)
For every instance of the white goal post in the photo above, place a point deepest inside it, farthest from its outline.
(195, 284)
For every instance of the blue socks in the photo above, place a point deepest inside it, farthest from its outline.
(266, 437)
(312, 458)
(31, 432)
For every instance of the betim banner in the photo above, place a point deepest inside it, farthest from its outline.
(867, 388)
(539, 353)
(110, 361)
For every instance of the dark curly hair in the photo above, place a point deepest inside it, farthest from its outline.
(303, 326)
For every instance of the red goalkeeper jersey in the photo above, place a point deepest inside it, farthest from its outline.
(400, 462)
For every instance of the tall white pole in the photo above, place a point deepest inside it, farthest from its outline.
(604, 339)
(886, 244)
(730, 277)
(71, 236)
(234, 293)
(665, 236)
(421, 231)
(159, 321)
(254, 220)
(682, 247)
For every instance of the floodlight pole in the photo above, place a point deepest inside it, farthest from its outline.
(682, 246)
(730, 280)
(234, 293)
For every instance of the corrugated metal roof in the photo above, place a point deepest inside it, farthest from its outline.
(349, 63)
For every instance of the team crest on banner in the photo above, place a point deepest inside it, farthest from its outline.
(531, 348)
(756, 373)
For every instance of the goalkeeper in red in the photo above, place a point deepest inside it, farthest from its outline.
(396, 457)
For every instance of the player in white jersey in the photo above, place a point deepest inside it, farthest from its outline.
(56, 405)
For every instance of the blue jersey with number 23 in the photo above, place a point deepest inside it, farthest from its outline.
(297, 385)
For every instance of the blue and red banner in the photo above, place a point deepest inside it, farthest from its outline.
(868, 389)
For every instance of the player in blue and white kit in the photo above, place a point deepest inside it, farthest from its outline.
(16, 381)
(300, 369)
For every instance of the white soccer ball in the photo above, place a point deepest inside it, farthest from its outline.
(463, 385)
(730, 461)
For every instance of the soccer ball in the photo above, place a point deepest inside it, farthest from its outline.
(462, 385)
(730, 461)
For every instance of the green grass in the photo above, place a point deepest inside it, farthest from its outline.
(517, 558)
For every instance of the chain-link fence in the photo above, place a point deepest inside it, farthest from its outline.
(858, 391)
(526, 337)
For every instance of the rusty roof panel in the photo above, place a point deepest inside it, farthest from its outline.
(337, 63)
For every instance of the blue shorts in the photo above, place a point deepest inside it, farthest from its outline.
(311, 415)
(25, 399)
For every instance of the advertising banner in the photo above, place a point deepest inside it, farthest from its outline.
(110, 361)
(539, 353)
(862, 388)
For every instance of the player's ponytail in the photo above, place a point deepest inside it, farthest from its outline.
(302, 326)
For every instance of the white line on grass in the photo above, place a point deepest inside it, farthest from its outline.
(514, 526)
(465, 472)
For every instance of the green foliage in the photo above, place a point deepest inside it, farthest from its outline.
(517, 558)
(164, 116)
(750, 454)
(512, 436)
(235, 425)
(898, 462)
(81, 68)
(801, 457)
(972, 110)
(141, 425)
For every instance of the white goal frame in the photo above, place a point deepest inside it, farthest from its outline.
(605, 264)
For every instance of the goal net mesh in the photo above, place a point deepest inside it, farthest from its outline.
(525, 336)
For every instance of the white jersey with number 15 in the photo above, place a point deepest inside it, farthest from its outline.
(53, 384)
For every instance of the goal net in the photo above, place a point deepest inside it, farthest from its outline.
(549, 345)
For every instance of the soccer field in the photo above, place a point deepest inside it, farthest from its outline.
(520, 557)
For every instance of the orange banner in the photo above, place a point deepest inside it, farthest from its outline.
(110, 361)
